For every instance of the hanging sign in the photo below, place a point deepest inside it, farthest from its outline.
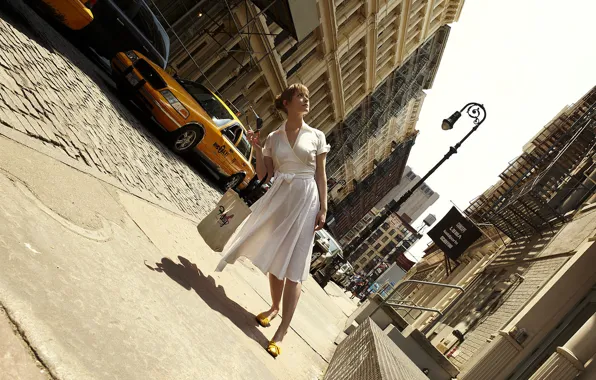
(454, 234)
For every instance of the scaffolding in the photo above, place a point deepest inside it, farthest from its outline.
(380, 166)
(387, 102)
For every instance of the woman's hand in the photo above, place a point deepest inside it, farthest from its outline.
(254, 139)
(320, 221)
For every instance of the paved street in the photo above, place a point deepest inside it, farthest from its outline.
(49, 91)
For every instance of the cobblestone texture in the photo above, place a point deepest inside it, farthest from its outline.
(51, 92)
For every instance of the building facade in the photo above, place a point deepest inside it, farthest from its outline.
(411, 210)
(387, 243)
(529, 301)
(234, 48)
(419, 201)
(374, 143)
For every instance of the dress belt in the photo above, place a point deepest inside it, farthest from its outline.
(288, 177)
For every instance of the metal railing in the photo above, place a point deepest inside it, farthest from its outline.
(401, 303)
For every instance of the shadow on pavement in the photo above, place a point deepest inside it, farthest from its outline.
(189, 276)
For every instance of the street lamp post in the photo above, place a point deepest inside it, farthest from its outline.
(477, 113)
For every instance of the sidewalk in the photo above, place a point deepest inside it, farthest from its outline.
(104, 285)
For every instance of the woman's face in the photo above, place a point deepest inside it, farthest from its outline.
(299, 104)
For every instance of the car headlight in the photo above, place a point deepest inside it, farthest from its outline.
(174, 102)
(132, 56)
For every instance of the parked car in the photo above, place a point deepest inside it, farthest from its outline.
(197, 119)
(112, 26)
(75, 14)
(324, 250)
(121, 25)
(343, 274)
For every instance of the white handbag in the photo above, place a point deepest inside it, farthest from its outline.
(221, 223)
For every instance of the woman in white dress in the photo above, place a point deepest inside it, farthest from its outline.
(278, 236)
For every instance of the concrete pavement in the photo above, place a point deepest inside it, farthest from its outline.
(104, 284)
(103, 274)
(16, 359)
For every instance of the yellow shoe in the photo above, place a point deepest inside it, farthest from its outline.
(264, 321)
(273, 349)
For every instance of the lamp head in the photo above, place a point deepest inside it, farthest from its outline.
(448, 123)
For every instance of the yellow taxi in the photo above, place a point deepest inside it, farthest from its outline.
(75, 14)
(196, 118)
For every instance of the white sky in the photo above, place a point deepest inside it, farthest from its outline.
(524, 60)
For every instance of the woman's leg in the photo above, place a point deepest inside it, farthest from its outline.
(291, 295)
(276, 287)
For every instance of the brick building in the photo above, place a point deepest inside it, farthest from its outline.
(396, 234)
(411, 210)
(389, 242)
(530, 283)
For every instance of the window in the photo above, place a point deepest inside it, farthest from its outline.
(392, 232)
(377, 246)
(244, 146)
(386, 226)
(216, 110)
(385, 238)
(145, 20)
(362, 249)
(232, 133)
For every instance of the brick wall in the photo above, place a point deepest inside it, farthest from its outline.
(370, 191)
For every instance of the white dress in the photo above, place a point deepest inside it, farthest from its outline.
(278, 235)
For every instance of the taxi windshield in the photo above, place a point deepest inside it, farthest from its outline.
(216, 110)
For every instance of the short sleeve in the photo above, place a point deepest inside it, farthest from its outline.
(322, 147)
(267, 148)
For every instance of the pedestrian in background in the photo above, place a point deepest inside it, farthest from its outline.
(278, 236)
(353, 281)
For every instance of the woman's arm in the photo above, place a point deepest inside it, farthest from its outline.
(270, 169)
(321, 179)
(264, 167)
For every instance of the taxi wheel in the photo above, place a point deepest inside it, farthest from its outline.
(233, 181)
(186, 138)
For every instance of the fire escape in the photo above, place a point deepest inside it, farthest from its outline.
(537, 188)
